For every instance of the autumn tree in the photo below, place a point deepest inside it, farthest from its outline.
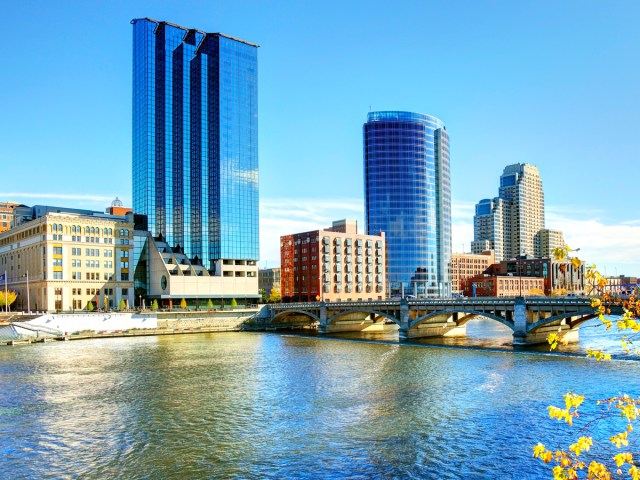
(154, 305)
(7, 299)
(209, 304)
(233, 304)
(123, 304)
(572, 461)
(274, 297)
(183, 304)
(90, 306)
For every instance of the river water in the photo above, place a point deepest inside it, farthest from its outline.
(252, 405)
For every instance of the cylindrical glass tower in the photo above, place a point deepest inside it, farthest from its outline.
(407, 186)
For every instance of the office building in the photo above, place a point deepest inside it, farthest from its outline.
(333, 264)
(521, 191)
(269, 280)
(546, 241)
(12, 214)
(509, 224)
(63, 260)
(408, 196)
(503, 286)
(467, 265)
(487, 228)
(195, 147)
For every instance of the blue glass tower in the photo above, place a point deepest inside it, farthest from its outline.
(408, 196)
(195, 140)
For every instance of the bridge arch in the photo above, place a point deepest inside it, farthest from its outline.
(368, 311)
(471, 314)
(554, 319)
(280, 317)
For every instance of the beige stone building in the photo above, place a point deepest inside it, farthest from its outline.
(546, 241)
(168, 276)
(63, 261)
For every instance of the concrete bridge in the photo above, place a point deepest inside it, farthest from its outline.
(530, 318)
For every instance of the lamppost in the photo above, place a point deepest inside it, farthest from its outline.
(28, 299)
(520, 272)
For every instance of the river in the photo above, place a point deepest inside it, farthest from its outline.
(254, 405)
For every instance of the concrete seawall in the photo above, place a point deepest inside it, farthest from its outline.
(121, 324)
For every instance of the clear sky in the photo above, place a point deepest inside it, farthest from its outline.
(551, 83)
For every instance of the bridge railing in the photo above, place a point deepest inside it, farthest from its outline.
(436, 302)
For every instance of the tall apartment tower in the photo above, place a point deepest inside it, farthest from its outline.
(195, 141)
(521, 191)
(488, 231)
(509, 224)
(408, 196)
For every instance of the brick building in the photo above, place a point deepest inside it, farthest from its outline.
(334, 264)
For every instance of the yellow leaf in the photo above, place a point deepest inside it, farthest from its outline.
(583, 443)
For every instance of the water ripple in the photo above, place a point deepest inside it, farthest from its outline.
(266, 406)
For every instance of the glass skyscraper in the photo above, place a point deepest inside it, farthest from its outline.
(195, 140)
(408, 196)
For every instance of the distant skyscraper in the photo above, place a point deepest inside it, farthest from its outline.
(488, 227)
(408, 196)
(195, 141)
(521, 190)
(509, 224)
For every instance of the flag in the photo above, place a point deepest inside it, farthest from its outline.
(3, 277)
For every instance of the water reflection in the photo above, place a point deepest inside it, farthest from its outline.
(243, 405)
(483, 333)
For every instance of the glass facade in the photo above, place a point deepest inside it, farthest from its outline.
(195, 140)
(408, 196)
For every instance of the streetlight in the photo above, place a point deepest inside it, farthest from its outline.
(28, 299)
(520, 272)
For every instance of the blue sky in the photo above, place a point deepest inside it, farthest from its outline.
(552, 83)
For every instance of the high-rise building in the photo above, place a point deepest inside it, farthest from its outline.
(509, 224)
(488, 228)
(408, 196)
(521, 190)
(195, 144)
(546, 242)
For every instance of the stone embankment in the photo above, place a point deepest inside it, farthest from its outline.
(76, 326)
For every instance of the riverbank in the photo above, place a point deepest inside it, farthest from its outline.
(80, 326)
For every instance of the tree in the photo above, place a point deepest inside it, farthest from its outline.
(571, 461)
(105, 302)
(209, 304)
(154, 305)
(274, 297)
(263, 295)
(9, 299)
(183, 304)
(123, 304)
(233, 303)
(536, 292)
(90, 306)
